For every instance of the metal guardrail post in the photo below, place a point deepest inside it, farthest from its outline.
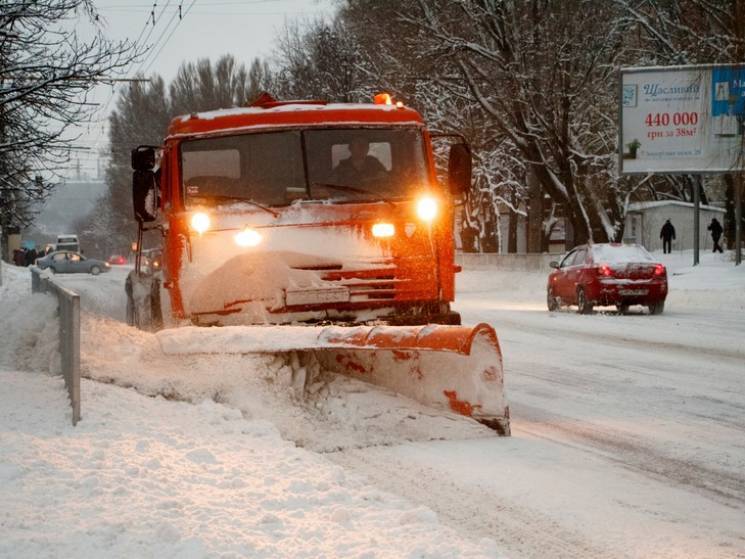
(69, 334)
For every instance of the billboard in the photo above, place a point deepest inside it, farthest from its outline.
(682, 119)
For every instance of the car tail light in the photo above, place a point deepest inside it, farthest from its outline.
(659, 270)
(604, 270)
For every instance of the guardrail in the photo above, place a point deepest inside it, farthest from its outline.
(69, 334)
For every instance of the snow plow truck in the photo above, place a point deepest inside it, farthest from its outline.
(318, 231)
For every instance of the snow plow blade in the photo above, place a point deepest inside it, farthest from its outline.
(457, 368)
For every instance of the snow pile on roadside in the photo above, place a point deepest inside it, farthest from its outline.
(143, 476)
(716, 283)
(29, 330)
(337, 412)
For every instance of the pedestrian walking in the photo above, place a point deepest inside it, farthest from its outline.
(667, 234)
(716, 233)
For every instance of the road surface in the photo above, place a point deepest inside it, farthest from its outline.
(628, 431)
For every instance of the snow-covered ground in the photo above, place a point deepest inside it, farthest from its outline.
(628, 438)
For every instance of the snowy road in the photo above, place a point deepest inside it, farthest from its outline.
(628, 431)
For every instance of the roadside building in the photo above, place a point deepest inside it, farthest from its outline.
(645, 219)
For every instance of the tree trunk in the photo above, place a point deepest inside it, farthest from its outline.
(535, 212)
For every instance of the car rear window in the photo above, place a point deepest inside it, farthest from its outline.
(619, 254)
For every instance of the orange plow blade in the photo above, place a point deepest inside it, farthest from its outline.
(456, 368)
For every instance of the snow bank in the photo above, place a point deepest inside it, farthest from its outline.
(336, 412)
(145, 477)
(29, 330)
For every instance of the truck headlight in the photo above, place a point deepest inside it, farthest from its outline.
(426, 208)
(247, 237)
(200, 222)
(383, 230)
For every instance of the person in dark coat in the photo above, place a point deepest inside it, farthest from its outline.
(30, 257)
(359, 168)
(667, 234)
(716, 233)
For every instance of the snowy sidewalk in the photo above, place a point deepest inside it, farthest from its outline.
(147, 477)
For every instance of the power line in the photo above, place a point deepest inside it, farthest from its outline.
(186, 13)
(152, 48)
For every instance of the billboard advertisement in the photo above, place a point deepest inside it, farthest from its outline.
(682, 119)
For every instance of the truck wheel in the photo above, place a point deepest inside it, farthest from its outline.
(143, 311)
(657, 308)
(622, 308)
(95, 270)
(551, 302)
(583, 305)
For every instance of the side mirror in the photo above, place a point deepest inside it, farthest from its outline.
(143, 158)
(553, 264)
(459, 169)
(145, 196)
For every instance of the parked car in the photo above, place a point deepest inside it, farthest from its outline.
(68, 262)
(605, 275)
(117, 260)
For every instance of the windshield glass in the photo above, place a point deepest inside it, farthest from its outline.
(268, 168)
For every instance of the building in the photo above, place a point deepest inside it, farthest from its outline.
(645, 219)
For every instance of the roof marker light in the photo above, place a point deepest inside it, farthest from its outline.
(383, 99)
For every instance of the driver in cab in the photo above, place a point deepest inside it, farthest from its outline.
(359, 167)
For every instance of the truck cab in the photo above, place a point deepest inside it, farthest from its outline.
(287, 212)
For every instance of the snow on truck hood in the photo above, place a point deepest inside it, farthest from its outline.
(261, 277)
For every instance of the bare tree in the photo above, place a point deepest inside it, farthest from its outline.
(46, 73)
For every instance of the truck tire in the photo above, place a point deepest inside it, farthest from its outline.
(143, 311)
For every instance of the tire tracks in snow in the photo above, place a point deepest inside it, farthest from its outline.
(613, 339)
(518, 530)
(723, 487)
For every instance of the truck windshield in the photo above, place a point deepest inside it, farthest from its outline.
(276, 168)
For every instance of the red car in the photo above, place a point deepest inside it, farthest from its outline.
(607, 274)
(117, 260)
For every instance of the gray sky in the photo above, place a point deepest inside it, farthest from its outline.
(208, 28)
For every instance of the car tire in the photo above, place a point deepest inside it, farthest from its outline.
(657, 308)
(622, 308)
(52, 269)
(95, 270)
(583, 305)
(551, 302)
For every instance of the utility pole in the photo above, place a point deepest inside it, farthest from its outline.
(698, 184)
(739, 180)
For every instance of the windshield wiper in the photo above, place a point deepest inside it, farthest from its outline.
(239, 199)
(346, 188)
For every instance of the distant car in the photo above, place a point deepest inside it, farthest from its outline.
(117, 260)
(68, 242)
(68, 262)
(605, 275)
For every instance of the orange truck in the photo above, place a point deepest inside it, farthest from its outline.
(318, 229)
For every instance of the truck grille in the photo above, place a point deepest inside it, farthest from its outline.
(377, 281)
